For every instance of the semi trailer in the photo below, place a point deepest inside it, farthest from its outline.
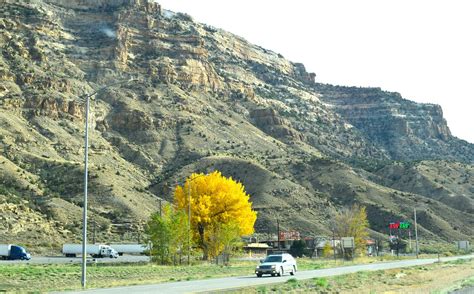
(130, 248)
(94, 250)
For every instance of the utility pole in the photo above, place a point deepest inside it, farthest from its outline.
(398, 242)
(138, 234)
(93, 232)
(189, 222)
(189, 212)
(278, 230)
(409, 238)
(416, 235)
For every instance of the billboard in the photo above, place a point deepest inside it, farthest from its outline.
(289, 235)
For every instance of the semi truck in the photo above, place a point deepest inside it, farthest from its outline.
(130, 248)
(94, 250)
(11, 252)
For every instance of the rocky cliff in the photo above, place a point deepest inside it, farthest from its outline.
(405, 129)
(202, 99)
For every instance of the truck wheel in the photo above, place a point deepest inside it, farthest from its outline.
(111, 256)
(281, 272)
(259, 275)
(293, 271)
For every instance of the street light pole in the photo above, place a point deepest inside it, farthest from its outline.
(84, 206)
(86, 167)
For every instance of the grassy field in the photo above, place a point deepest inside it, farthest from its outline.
(64, 277)
(434, 278)
(34, 277)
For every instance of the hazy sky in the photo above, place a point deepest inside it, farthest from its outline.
(422, 49)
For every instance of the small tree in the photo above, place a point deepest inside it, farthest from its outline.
(327, 250)
(224, 238)
(168, 234)
(352, 222)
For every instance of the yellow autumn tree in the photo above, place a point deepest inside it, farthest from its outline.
(352, 222)
(219, 206)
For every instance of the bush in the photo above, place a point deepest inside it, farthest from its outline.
(293, 282)
(321, 282)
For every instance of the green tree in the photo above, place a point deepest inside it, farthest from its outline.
(224, 238)
(297, 249)
(168, 234)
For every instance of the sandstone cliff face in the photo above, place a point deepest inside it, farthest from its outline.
(103, 5)
(203, 99)
(407, 130)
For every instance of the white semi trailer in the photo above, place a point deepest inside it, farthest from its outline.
(94, 250)
(130, 248)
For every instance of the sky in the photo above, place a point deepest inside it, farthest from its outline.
(423, 49)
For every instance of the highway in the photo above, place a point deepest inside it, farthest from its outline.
(222, 284)
(62, 260)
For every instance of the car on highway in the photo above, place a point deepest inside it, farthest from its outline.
(277, 264)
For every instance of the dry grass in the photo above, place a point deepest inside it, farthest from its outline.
(434, 278)
(34, 277)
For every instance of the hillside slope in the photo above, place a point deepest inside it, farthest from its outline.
(205, 99)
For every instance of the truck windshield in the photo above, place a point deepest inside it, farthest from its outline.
(273, 258)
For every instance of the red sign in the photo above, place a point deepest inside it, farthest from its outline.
(289, 235)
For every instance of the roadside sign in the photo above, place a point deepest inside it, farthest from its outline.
(399, 225)
(348, 242)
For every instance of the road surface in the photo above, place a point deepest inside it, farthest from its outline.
(221, 284)
(62, 259)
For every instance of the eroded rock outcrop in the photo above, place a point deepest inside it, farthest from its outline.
(131, 120)
(271, 123)
(405, 128)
